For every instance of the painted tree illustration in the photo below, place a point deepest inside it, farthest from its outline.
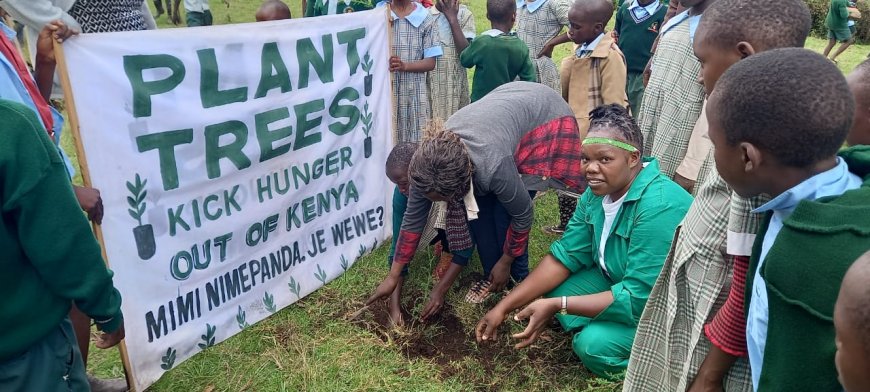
(367, 65)
(269, 302)
(320, 274)
(295, 287)
(240, 319)
(208, 337)
(344, 263)
(362, 250)
(367, 130)
(168, 360)
(143, 234)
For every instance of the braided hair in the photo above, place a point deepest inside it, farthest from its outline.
(441, 164)
(615, 118)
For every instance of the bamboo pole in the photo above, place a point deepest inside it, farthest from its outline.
(69, 101)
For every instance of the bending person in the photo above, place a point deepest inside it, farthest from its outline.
(522, 137)
(600, 273)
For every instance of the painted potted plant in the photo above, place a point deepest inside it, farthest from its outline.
(143, 234)
(367, 129)
(367, 65)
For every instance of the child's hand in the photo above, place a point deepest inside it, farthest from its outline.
(53, 31)
(539, 313)
(450, 9)
(487, 327)
(107, 340)
(91, 202)
(396, 64)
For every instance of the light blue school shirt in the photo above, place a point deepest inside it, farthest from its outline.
(416, 18)
(12, 88)
(833, 182)
(531, 6)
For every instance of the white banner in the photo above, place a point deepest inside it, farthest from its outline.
(241, 168)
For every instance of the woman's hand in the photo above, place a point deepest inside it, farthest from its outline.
(53, 31)
(500, 273)
(539, 314)
(433, 307)
(384, 289)
(487, 327)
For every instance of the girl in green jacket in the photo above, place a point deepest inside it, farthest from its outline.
(599, 275)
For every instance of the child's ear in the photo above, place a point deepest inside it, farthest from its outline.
(634, 159)
(750, 156)
(745, 49)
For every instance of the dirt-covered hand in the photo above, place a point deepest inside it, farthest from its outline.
(434, 306)
(107, 340)
(546, 51)
(539, 314)
(91, 202)
(702, 384)
(384, 289)
(487, 327)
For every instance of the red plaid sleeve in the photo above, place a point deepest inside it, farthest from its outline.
(515, 242)
(406, 246)
(553, 150)
(727, 330)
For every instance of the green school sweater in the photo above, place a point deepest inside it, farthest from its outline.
(636, 38)
(803, 271)
(497, 60)
(838, 15)
(48, 254)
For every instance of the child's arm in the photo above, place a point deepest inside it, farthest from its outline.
(547, 51)
(450, 8)
(527, 73)
(45, 60)
(469, 56)
(424, 65)
(176, 16)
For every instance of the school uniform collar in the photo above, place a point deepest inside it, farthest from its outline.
(590, 47)
(8, 32)
(532, 6)
(652, 8)
(680, 18)
(493, 33)
(831, 182)
(416, 17)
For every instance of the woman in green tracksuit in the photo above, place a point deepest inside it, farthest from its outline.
(599, 275)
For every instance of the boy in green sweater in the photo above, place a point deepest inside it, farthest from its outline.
(778, 133)
(837, 23)
(852, 322)
(50, 260)
(497, 55)
(637, 27)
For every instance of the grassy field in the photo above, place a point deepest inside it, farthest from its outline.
(311, 346)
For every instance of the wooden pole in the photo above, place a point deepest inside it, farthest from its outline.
(69, 102)
(395, 119)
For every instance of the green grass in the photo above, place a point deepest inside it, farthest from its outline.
(311, 346)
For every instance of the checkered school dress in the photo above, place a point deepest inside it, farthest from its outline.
(670, 344)
(538, 27)
(672, 100)
(412, 109)
(448, 82)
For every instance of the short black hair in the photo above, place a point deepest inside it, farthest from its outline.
(599, 11)
(791, 102)
(500, 10)
(400, 156)
(863, 73)
(764, 24)
(617, 118)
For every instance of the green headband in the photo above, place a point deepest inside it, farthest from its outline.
(615, 143)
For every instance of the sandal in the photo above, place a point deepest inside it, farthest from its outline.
(554, 230)
(478, 292)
